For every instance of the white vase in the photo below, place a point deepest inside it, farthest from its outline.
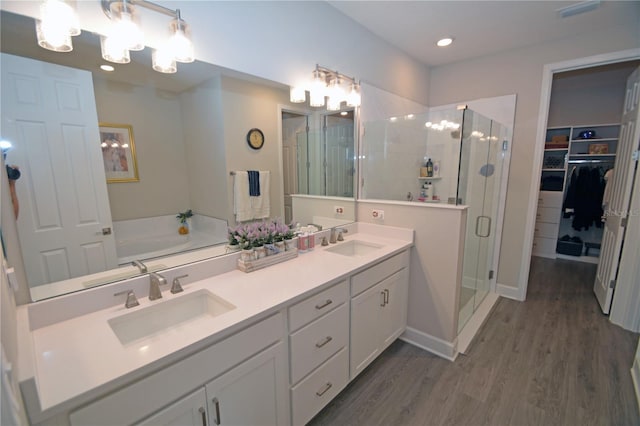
(291, 244)
(260, 252)
(247, 255)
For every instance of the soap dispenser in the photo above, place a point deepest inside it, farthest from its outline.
(429, 166)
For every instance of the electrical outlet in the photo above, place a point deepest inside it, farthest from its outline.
(338, 209)
(377, 214)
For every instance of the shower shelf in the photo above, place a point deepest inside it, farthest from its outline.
(430, 178)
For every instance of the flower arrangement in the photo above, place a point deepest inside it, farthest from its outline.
(257, 234)
(183, 216)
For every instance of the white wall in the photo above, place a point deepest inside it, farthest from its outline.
(158, 135)
(520, 72)
(436, 262)
(277, 40)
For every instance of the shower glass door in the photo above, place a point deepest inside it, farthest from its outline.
(478, 188)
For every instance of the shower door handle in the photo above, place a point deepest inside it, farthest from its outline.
(478, 226)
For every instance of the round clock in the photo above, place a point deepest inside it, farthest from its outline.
(255, 138)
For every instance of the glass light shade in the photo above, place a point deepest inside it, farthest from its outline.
(354, 98)
(59, 17)
(53, 36)
(163, 60)
(114, 51)
(297, 95)
(181, 44)
(318, 89)
(125, 26)
(336, 95)
(333, 104)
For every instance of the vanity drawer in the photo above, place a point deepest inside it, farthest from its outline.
(365, 279)
(546, 230)
(317, 305)
(320, 387)
(313, 344)
(548, 214)
(550, 199)
(545, 247)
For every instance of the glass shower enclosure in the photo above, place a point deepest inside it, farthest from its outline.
(466, 151)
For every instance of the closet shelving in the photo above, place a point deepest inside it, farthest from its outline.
(570, 150)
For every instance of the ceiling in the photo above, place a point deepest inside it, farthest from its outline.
(480, 28)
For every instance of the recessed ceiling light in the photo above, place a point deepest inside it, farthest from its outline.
(443, 42)
(107, 68)
(343, 113)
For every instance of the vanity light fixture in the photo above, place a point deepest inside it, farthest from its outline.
(444, 42)
(329, 84)
(58, 22)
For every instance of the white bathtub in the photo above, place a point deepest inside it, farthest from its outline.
(158, 236)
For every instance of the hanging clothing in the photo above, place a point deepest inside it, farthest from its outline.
(584, 198)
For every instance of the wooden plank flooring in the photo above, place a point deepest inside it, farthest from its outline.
(552, 360)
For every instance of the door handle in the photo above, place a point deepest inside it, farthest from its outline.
(203, 413)
(478, 226)
(216, 405)
(104, 231)
(384, 299)
(386, 296)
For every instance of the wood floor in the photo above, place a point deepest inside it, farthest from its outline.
(552, 360)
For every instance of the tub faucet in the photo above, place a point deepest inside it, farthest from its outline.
(140, 265)
(156, 280)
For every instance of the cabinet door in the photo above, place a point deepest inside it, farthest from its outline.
(365, 328)
(394, 312)
(190, 410)
(253, 393)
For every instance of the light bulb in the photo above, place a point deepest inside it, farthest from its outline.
(125, 29)
(163, 60)
(318, 89)
(180, 41)
(354, 98)
(114, 51)
(297, 95)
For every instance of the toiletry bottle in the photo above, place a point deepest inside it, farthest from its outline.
(429, 168)
(428, 190)
(303, 242)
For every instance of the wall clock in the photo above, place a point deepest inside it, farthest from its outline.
(255, 138)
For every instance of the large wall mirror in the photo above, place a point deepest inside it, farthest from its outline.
(163, 144)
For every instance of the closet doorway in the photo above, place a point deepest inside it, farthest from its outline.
(585, 138)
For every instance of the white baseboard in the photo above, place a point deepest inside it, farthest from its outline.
(635, 376)
(442, 348)
(471, 328)
(509, 292)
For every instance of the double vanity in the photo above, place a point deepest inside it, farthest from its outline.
(269, 347)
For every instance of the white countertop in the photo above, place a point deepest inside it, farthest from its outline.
(81, 358)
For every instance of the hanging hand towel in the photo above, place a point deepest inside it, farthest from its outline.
(241, 199)
(254, 183)
(260, 206)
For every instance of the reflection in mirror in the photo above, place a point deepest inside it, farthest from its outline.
(185, 131)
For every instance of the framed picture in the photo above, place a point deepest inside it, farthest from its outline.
(118, 153)
(598, 148)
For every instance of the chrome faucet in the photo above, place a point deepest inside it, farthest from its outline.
(332, 237)
(140, 265)
(175, 286)
(131, 298)
(317, 226)
(156, 280)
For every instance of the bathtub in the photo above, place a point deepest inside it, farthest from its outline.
(158, 236)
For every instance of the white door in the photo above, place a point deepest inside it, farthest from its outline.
(292, 124)
(365, 327)
(394, 311)
(618, 209)
(253, 393)
(189, 411)
(49, 113)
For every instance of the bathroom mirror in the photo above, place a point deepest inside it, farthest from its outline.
(185, 145)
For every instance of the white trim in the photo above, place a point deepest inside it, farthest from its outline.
(635, 376)
(479, 317)
(509, 292)
(543, 112)
(442, 348)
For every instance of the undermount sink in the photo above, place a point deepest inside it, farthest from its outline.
(354, 248)
(168, 316)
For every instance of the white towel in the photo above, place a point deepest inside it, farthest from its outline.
(241, 200)
(260, 205)
(246, 207)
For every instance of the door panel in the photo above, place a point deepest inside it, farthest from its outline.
(49, 114)
(618, 210)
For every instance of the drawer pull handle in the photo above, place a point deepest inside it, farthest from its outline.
(386, 296)
(325, 304)
(203, 413)
(324, 389)
(216, 404)
(324, 341)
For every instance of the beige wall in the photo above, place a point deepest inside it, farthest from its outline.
(247, 105)
(436, 262)
(202, 116)
(591, 96)
(157, 131)
(520, 72)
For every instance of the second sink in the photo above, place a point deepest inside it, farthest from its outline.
(167, 315)
(354, 248)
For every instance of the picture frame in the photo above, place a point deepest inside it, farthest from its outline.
(118, 152)
(598, 148)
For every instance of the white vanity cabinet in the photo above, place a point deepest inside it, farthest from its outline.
(246, 373)
(378, 309)
(319, 345)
